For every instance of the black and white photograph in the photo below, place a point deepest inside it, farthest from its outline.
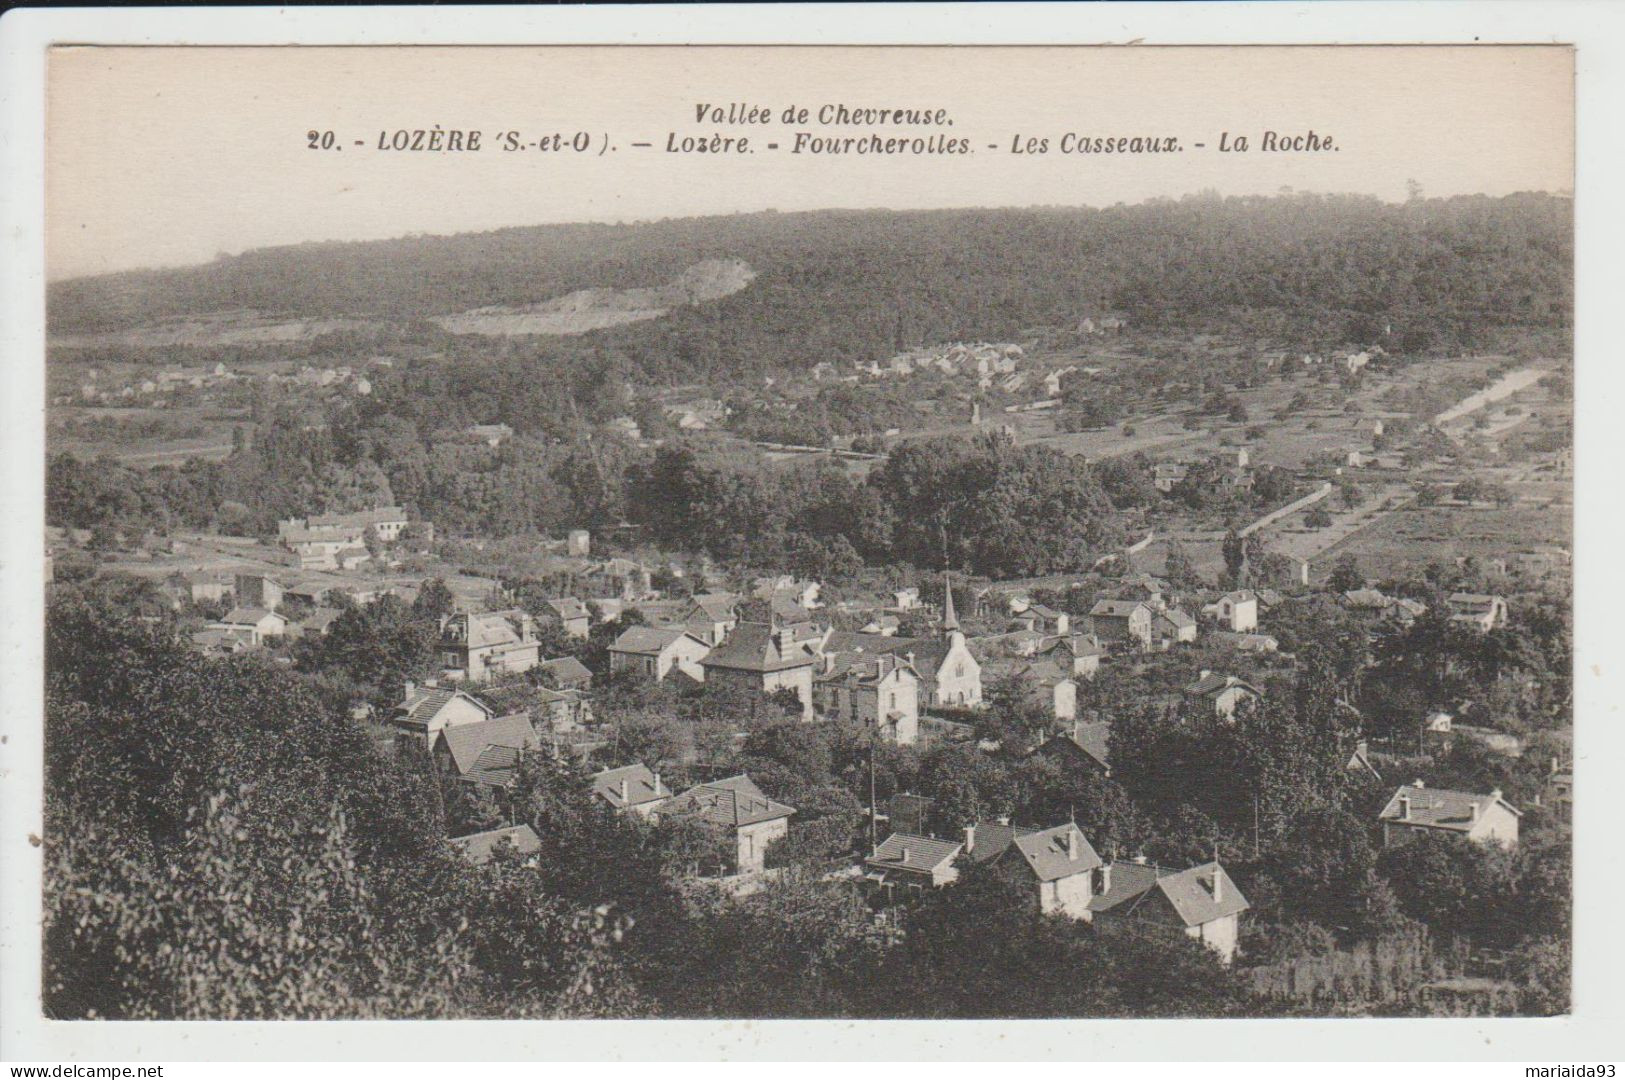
(808, 533)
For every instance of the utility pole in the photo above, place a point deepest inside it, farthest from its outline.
(1255, 825)
(874, 824)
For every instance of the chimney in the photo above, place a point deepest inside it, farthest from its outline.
(656, 784)
(1404, 807)
(1472, 811)
(1072, 844)
(1139, 859)
(970, 839)
(1003, 819)
(1417, 784)
(1205, 673)
(411, 688)
(1106, 878)
(1495, 793)
(1218, 884)
(626, 795)
(904, 859)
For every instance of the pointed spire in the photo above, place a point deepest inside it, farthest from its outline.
(950, 622)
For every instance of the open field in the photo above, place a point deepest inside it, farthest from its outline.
(1414, 536)
(142, 436)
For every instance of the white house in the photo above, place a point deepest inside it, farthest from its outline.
(1235, 611)
(737, 806)
(1202, 901)
(1417, 809)
(653, 652)
(633, 789)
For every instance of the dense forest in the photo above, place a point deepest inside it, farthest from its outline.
(985, 505)
(857, 285)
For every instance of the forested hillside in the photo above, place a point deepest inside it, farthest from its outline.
(852, 285)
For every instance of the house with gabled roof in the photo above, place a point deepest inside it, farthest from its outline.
(572, 616)
(1047, 621)
(1222, 693)
(633, 789)
(881, 691)
(1202, 902)
(1049, 684)
(1417, 809)
(759, 659)
(218, 642)
(655, 651)
(1167, 475)
(1236, 611)
(1481, 611)
(987, 840)
(1083, 747)
(566, 673)
(487, 752)
(950, 675)
(905, 861)
(1172, 626)
(736, 806)
(710, 616)
(1057, 866)
(425, 711)
(319, 621)
(481, 847)
(258, 624)
(1122, 621)
(482, 646)
(1079, 652)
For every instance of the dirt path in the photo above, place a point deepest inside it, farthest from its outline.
(1505, 387)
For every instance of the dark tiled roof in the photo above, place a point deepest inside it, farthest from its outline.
(991, 839)
(497, 766)
(646, 640)
(1188, 892)
(1078, 645)
(754, 647)
(467, 742)
(1044, 672)
(1056, 853)
(863, 670)
(733, 802)
(1175, 617)
(568, 608)
(1191, 894)
(1214, 683)
(1439, 808)
(718, 607)
(361, 518)
(425, 703)
(1088, 739)
(929, 654)
(566, 669)
(913, 852)
(642, 786)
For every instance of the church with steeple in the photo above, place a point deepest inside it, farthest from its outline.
(949, 675)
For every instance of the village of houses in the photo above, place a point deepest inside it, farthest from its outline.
(914, 671)
(774, 642)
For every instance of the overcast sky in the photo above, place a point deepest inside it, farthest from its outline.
(163, 156)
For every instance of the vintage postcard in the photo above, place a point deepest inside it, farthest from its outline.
(808, 532)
